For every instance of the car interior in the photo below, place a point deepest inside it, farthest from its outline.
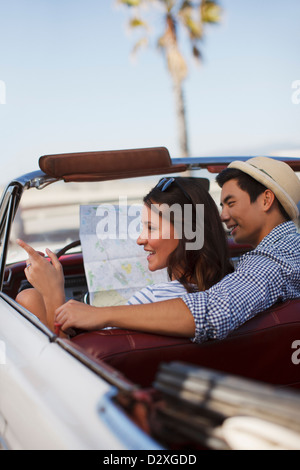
(260, 350)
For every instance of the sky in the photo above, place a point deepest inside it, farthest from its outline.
(68, 83)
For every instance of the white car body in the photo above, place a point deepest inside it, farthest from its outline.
(48, 400)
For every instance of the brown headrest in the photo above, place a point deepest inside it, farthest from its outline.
(112, 164)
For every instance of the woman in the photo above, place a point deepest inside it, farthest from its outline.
(165, 236)
(188, 269)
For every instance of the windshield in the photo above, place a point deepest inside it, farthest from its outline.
(49, 218)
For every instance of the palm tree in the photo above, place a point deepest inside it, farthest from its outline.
(192, 15)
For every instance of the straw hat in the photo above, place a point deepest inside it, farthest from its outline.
(276, 176)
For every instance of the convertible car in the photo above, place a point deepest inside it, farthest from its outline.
(117, 389)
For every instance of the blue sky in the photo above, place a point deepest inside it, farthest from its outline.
(71, 86)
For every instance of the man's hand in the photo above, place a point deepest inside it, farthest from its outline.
(75, 314)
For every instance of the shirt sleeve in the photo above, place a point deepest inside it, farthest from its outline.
(144, 296)
(256, 284)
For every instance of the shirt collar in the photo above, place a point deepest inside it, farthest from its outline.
(286, 228)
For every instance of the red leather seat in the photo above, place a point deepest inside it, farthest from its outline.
(260, 349)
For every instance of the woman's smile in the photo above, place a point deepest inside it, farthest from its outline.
(158, 239)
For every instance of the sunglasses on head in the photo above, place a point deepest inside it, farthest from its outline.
(165, 183)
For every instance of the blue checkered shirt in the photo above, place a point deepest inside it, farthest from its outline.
(265, 275)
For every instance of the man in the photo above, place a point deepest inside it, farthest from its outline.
(259, 202)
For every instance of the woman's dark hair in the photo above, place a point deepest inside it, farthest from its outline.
(248, 184)
(208, 265)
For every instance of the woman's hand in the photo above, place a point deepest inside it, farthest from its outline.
(75, 314)
(47, 278)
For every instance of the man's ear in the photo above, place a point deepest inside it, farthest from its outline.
(268, 199)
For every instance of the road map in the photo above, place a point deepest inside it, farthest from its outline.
(115, 266)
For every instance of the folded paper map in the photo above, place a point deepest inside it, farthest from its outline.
(115, 266)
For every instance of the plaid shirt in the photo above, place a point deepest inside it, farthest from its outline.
(265, 275)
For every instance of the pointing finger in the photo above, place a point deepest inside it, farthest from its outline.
(29, 250)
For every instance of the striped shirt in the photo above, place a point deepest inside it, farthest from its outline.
(158, 292)
(265, 275)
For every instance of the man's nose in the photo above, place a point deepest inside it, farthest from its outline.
(224, 214)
